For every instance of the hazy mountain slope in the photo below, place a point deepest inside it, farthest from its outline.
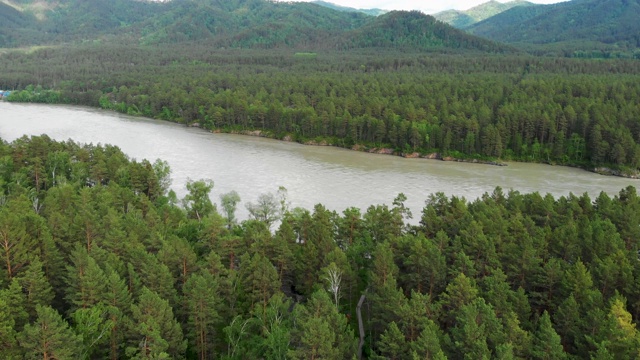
(231, 23)
(462, 19)
(455, 18)
(372, 12)
(252, 23)
(604, 21)
(413, 29)
(15, 25)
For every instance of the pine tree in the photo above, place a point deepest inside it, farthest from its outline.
(392, 344)
(274, 328)
(92, 326)
(15, 300)
(179, 257)
(117, 299)
(477, 332)
(385, 296)
(16, 246)
(259, 279)
(321, 332)
(85, 280)
(202, 297)
(428, 345)
(49, 337)
(546, 342)
(8, 344)
(155, 330)
(623, 339)
(157, 277)
(460, 292)
(35, 286)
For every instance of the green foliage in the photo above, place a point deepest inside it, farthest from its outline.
(546, 342)
(464, 18)
(463, 105)
(321, 332)
(508, 275)
(197, 202)
(155, 332)
(247, 24)
(584, 25)
(229, 202)
(8, 343)
(49, 337)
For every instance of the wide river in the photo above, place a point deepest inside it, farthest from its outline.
(337, 178)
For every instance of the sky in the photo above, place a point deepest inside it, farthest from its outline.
(426, 6)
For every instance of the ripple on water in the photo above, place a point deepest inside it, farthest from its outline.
(337, 178)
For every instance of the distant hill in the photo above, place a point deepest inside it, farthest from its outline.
(464, 18)
(413, 29)
(372, 12)
(612, 22)
(226, 23)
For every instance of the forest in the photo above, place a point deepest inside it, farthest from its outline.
(463, 104)
(99, 259)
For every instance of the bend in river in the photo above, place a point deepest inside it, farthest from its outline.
(337, 178)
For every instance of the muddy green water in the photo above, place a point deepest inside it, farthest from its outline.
(337, 178)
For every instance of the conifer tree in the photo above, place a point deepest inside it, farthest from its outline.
(8, 344)
(35, 286)
(155, 332)
(321, 332)
(392, 344)
(15, 301)
(546, 343)
(274, 327)
(93, 326)
(428, 345)
(49, 337)
(16, 246)
(622, 337)
(117, 301)
(259, 279)
(384, 294)
(202, 299)
(85, 280)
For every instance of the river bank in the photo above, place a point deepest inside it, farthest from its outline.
(333, 176)
(363, 148)
(601, 170)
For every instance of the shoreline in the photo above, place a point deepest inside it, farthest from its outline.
(361, 148)
(600, 170)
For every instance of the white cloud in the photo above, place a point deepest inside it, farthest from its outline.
(428, 7)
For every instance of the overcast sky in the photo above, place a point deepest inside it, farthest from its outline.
(427, 6)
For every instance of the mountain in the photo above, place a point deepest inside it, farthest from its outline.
(227, 23)
(609, 22)
(371, 12)
(413, 29)
(463, 19)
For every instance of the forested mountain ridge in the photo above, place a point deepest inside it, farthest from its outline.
(99, 262)
(372, 12)
(464, 18)
(612, 22)
(415, 30)
(238, 24)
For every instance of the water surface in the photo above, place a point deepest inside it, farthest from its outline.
(337, 178)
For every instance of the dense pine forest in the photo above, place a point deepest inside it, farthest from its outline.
(99, 260)
(461, 104)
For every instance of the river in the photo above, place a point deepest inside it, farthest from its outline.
(337, 178)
